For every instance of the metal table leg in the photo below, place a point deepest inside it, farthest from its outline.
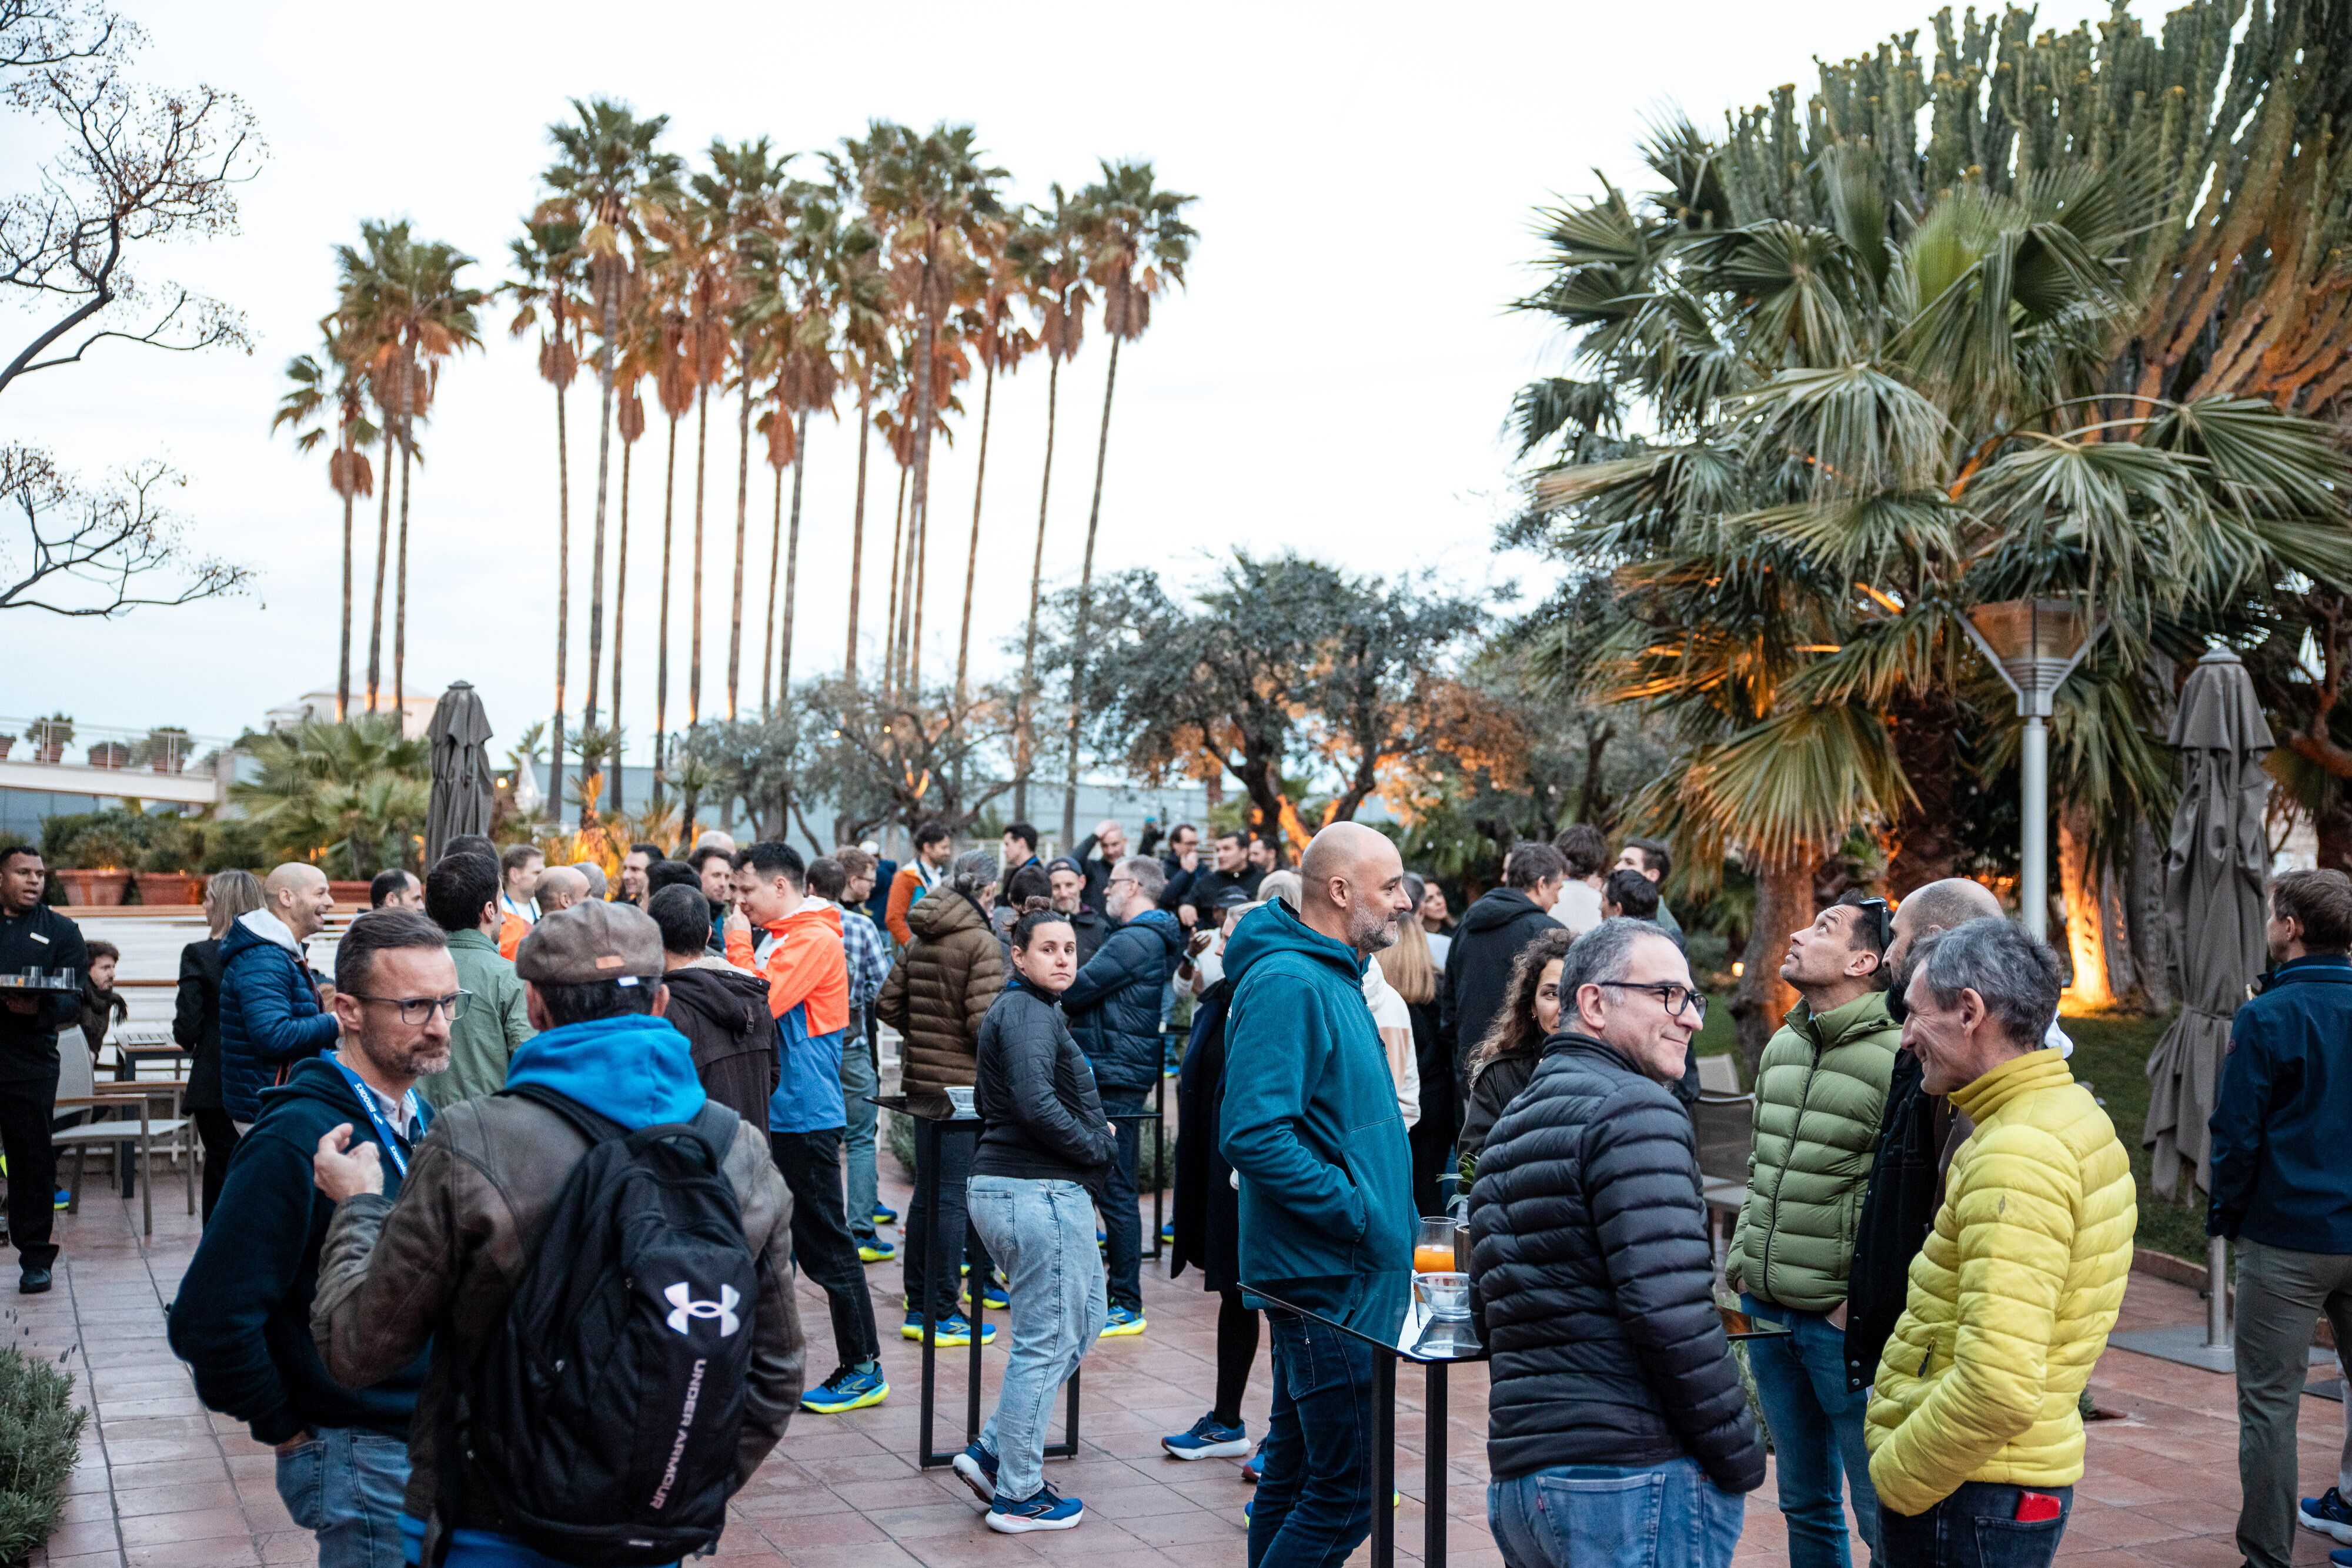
(1159, 1164)
(1432, 1484)
(1383, 1461)
(926, 1187)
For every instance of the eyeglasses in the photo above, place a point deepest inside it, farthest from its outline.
(1673, 997)
(1118, 881)
(414, 1010)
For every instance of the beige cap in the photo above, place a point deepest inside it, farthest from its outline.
(590, 941)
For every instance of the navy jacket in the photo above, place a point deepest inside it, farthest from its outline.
(1114, 1004)
(270, 1016)
(2283, 1122)
(242, 1319)
(1308, 1115)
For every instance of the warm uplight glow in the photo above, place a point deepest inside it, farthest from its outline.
(1737, 968)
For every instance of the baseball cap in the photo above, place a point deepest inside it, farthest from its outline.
(590, 941)
(1063, 862)
(1234, 898)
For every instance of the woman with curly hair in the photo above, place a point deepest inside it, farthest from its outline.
(1506, 1058)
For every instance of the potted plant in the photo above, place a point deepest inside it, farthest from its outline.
(5, 742)
(165, 749)
(163, 875)
(110, 754)
(50, 736)
(94, 863)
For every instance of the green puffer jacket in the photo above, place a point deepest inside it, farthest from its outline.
(1820, 1092)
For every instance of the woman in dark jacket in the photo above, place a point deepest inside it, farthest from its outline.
(1043, 1147)
(1506, 1058)
(195, 1022)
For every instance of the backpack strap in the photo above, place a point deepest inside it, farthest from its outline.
(593, 1125)
(715, 1124)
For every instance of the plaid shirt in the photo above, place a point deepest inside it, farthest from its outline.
(869, 958)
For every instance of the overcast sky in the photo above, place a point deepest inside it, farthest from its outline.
(1335, 380)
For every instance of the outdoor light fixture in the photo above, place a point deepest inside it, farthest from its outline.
(2035, 644)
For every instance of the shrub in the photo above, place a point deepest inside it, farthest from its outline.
(40, 1442)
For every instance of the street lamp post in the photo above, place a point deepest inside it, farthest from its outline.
(2035, 644)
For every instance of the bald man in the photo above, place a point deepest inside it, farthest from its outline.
(593, 878)
(1309, 1123)
(270, 1016)
(1917, 1134)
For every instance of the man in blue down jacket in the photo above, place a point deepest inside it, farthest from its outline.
(1114, 1011)
(1310, 1125)
(2283, 1192)
(270, 1016)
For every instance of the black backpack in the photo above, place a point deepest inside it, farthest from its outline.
(603, 1416)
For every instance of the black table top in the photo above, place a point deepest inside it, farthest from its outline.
(1379, 1309)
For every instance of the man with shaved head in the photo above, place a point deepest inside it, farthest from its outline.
(270, 1016)
(1309, 1123)
(1914, 1139)
(561, 887)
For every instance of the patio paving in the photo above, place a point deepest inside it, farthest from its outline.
(162, 1484)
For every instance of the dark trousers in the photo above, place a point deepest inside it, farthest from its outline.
(27, 1105)
(1314, 1502)
(934, 1287)
(810, 1163)
(1976, 1527)
(1432, 1140)
(1236, 1354)
(219, 1135)
(1122, 1219)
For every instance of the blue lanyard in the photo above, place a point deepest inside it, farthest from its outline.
(394, 1148)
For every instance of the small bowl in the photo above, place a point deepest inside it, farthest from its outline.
(1444, 1293)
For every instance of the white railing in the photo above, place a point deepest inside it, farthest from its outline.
(69, 742)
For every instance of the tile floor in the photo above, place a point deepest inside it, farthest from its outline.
(164, 1485)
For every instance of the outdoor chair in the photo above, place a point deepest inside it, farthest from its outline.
(111, 1135)
(1726, 1126)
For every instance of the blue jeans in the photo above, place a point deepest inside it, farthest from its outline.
(1122, 1219)
(1314, 1503)
(344, 1487)
(1976, 1527)
(1816, 1431)
(858, 1081)
(1626, 1516)
(1042, 1233)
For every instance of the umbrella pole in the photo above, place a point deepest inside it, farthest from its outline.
(2033, 849)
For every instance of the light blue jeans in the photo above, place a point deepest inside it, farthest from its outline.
(1043, 1233)
(1626, 1516)
(1816, 1433)
(344, 1487)
(857, 1081)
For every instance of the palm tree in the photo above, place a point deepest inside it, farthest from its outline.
(1137, 244)
(312, 387)
(353, 796)
(699, 252)
(675, 385)
(606, 173)
(1001, 344)
(551, 264)
(932, 198)
(809, 377)
(629, 419)
(1051, 253)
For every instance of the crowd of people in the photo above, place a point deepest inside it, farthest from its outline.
(518, 1179)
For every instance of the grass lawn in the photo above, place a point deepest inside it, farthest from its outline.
(2110, 1055)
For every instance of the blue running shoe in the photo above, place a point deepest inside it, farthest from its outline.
(2329, 1514)
(1208, 1440)
(2340, 1558)
(977, 1465)
(882, 1216)
(1168, 1234)
(1120, 1321)
(1044, 1511)
(875, 1250)
(954, 1329)
(64, 1196)
(992, 1297)
(847, 1389)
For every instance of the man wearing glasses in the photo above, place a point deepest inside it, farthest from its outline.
(242, 1319)
(1821, 1088)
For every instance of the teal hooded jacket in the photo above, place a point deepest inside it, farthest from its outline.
(1310, 1117)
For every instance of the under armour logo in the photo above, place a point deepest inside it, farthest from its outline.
(681, 1296)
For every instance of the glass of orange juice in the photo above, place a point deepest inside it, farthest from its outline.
(1433, 1247)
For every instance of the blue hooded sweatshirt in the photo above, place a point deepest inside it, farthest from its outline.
(634, 1068)
(1309, 1117)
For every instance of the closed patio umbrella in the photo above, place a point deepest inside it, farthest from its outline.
(2214, 870)
(462, 786)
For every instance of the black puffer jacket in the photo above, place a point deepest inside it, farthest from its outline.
(1040, 1117)
(1492, 1089)
(1114, 1004)
(1907, 1181)
(1478, 970)
(1590, 1276)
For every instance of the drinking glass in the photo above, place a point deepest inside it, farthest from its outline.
(1432, 1246)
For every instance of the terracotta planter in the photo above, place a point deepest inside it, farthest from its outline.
(6, 742)
(170, 887)
(348, 892)
(95, 887)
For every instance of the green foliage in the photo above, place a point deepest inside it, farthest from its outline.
(40, 1442)
(351, 797)
(2111, 1055)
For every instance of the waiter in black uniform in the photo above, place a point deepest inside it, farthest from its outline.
(32, 937)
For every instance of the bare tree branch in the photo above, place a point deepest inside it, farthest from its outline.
(97, 553)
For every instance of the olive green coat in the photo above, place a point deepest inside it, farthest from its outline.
(1820, 1092)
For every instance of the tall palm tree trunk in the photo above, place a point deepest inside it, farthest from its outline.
(768, 643)
(856, 529)
(694, 636)
(1086, 607)
(919, 518)
(922, 525)
(1784, 902)
(344, 666)
(1025, 738)
(620, 610)
(661, 628)
(382, 560)
(596, 550)
(792, 560)
(890, 625)
(742, 507)
(400, 598)
(971, 556)
(562, 603)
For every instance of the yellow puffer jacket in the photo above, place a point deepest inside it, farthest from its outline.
(2012, 1298)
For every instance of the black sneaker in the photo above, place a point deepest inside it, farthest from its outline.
(33, 1282)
